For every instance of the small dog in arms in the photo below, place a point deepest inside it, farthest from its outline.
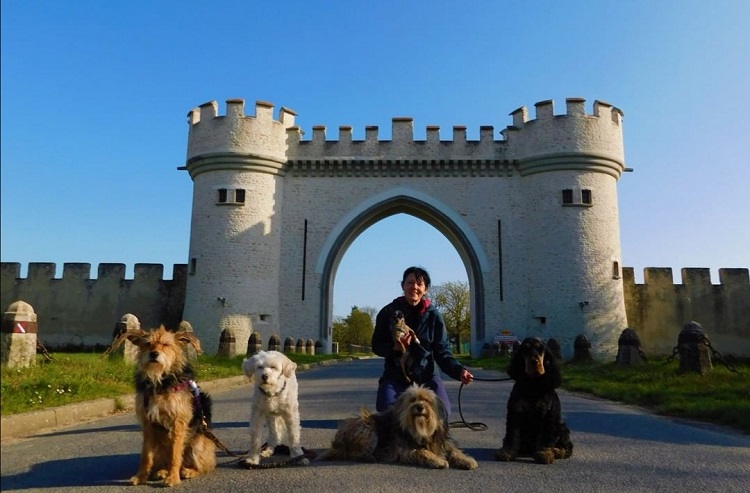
(398, 330)
(412, 431)
(173, 413)
(274, 406)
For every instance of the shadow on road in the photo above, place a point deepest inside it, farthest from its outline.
(112, 470)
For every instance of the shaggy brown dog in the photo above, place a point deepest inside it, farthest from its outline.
(172, 412)
(534, 425)
(412, 431)
(398, 330)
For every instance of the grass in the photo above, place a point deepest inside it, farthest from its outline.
(78, 377)
(720, 397)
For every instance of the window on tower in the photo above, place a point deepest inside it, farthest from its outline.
(577, 197)
(235, 196)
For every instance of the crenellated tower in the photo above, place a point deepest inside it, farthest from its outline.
(236, 163)
(569, 166)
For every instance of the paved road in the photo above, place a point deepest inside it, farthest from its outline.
(617, 448)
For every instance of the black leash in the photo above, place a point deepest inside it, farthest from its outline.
(476, 425)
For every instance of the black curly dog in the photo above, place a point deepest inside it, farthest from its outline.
(534, 425)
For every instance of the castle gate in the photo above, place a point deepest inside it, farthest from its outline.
(532, 213)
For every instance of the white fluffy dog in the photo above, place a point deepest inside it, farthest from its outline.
(274, 404)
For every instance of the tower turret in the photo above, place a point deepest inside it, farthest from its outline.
(236, 163)
(569, 166)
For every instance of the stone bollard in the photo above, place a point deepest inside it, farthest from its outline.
(496, 348)
(554, 347)
(629, 348)
(310, 346)
(274, 343)
(121, 347)
(487, 351)
(253, 344)
(581, 349)
(227, 343)
(289, 345)
(504, 351)
(190, 351)
(318, 347)
(18, 337)
(300, 347)
(694, 354)
(334, 348)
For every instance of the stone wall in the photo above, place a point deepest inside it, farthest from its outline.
(76, 310)
(659, 308)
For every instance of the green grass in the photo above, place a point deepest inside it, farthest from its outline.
(78, 377)
(720, 397)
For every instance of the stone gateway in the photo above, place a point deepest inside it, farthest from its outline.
(531, 211)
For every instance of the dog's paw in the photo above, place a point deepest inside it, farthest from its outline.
(138, 479)
(467, 463)
(439, 463)
(504, 455)
(304, 462)
(266, 451)
(250, 461)
(172, 480)
(545, 456)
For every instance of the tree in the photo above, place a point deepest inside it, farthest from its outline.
(356, 328)
(452, 299)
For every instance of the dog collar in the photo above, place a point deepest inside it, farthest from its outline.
(269, 394)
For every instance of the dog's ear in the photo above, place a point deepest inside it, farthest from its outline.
(186, 338)
(138, 337)
(248, 366)
(552, 369)
(288, 367)
(517, 366)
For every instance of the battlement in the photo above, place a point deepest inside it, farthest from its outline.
(575, 107)
(692, 277)
(575, 140)
(72, 271)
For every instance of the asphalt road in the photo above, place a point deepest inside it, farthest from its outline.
(617, 448)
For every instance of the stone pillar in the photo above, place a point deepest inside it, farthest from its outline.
(334, 348)
(190, 351)
(121, 347)
(300, 347)
(629, 348)
(18, 336)
(310, 346)
(289, 345)
(227, 343)
(554, 347)
(274, 343)
(318, 348)
(254, 344)
(504, 351)
(581, 349)
(694, 354)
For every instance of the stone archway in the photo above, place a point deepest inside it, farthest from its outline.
(422, 206)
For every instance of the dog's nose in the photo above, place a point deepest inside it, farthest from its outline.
(419, 408)
(265, 377)
(153, 355)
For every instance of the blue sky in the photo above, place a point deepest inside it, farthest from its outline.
(95, 96)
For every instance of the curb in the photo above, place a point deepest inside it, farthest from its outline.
(37, 422)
